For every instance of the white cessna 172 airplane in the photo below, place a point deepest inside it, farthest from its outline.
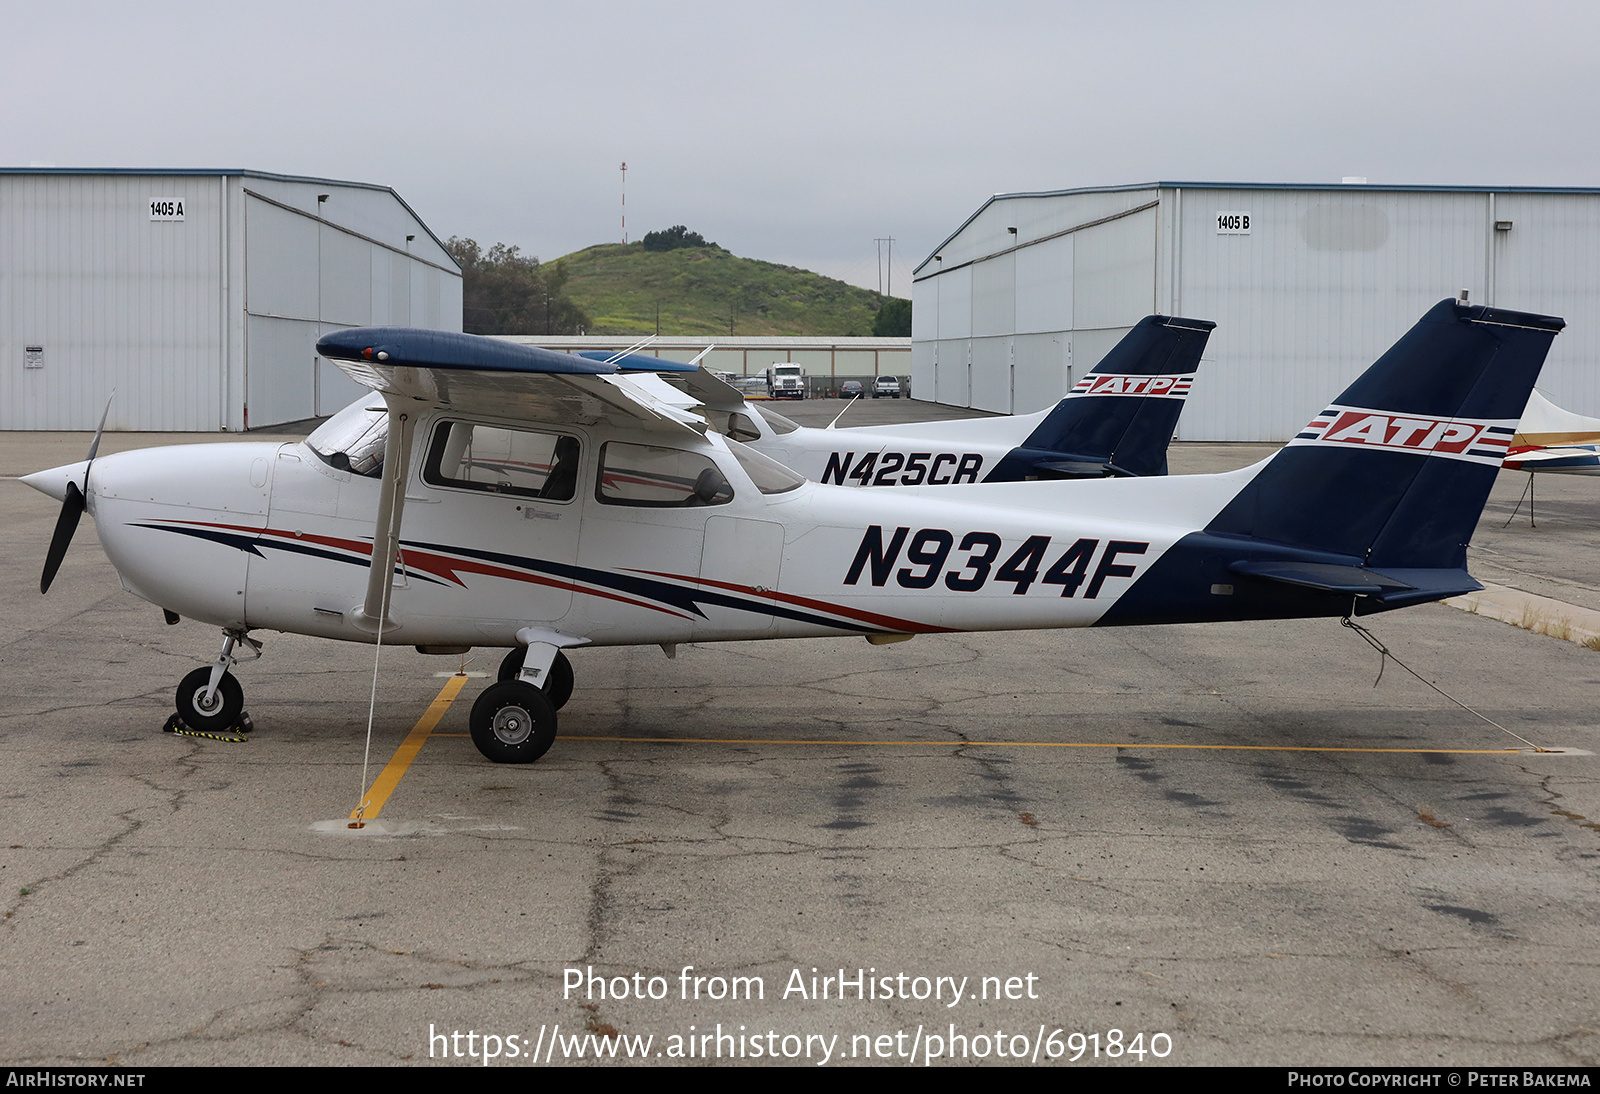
(499, 495)
(1117, 421)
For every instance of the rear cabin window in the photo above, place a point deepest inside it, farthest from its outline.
(647, 475)
(498, 460)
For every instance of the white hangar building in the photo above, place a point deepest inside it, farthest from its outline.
(199, 295)
(1308, 284)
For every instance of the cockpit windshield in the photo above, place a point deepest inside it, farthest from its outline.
(354, 439)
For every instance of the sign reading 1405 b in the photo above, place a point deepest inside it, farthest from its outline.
(166, 208)
(1233, 224)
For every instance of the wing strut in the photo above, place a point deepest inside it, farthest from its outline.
(386, 532)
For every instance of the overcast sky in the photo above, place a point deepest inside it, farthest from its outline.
(800, 132)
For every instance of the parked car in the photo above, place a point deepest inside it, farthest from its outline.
(851, 389)
(886, 385)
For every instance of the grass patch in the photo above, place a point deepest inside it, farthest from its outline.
(701, 291)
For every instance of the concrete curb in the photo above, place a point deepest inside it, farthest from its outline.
(1540, 614)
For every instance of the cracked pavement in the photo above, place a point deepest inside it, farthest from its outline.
(168, 901)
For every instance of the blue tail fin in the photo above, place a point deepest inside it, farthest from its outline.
(1397, 470)
(1119, 419)
(1371, 506)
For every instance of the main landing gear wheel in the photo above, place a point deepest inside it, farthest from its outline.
(513, 723)
(557, 685)
(220, 713)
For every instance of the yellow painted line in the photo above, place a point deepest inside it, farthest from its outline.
(1028, 744)
(395, 769)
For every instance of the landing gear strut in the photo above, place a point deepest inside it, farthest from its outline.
(210, 699)
(557, 685)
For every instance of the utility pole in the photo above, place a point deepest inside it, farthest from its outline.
(624, 203)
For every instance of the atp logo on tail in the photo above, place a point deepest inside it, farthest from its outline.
(1476, 440)
(1156, 387)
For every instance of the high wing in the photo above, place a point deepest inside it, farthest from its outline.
(488, 376)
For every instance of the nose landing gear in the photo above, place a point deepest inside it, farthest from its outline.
(210, 699)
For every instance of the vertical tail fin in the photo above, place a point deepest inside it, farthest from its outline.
(1396, 471)
(1120, 417)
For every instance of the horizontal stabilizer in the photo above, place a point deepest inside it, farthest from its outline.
(1390, 589)
(1076, 469)
(1351, 580)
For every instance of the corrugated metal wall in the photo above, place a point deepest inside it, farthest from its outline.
(311, 268)
(204, 323)
(114, 299)
(1325, 280)
(1549, 261)
(1000, 317)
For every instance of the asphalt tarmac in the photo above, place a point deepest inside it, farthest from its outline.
(1214, 844)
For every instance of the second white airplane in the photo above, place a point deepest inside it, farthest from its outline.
(1117, 421)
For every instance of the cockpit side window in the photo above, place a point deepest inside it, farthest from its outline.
(500, 460)
(742, 428)
(648, 475)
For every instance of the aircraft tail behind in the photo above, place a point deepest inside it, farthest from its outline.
(1372, 504)
(1118, 419)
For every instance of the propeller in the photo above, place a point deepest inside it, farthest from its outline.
(72, 507)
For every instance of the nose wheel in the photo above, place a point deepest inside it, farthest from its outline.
(513, 723)
(209, 699)
(209, 710)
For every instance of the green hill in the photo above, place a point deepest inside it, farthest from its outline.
(700, 290)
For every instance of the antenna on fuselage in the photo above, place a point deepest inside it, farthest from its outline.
(848, 404)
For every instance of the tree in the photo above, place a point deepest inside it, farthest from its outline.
(504, 291)
(893, 319)
(674, 238)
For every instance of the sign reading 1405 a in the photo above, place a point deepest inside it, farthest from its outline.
(1233, 224)
(166, 208)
